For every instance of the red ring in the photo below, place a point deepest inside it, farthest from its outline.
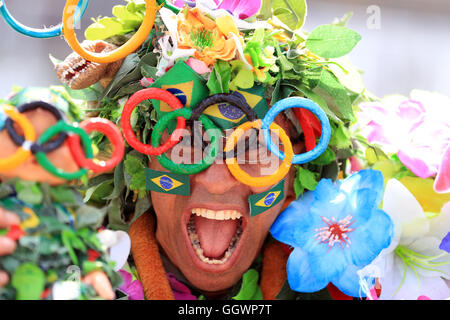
(310, 125)
(135, 99)
(110, 130)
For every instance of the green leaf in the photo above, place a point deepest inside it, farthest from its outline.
(63, 195)
(129, 19)
(328, 87)
(213, 84)
(220, 78)
(29, 192)
(88, 216)
(340, 137)
(29, 281)
(298, 188)
(241, 76)
(104, 29)
(306, 178)
(291, 12)
(88, 94)
(332, 41)
(325, 158)
(266, 10)
(249, 288)
(374, 155)
(119, 182)
(148, 71)
(317, 99)
(142, 206)
(136, 169)
(116, 220)
(66, 238)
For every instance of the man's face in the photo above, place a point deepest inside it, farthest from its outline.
(210, 235)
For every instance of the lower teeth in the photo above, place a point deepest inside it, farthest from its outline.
(195, 242)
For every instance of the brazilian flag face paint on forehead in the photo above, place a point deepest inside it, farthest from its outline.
(191, 89)
(227, 116)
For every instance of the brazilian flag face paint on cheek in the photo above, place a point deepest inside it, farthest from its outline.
(266, 200)
(167, 182)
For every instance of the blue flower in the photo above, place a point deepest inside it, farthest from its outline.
(335, 230)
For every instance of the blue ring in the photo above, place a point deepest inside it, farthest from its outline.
(297, 102)
(40, 33)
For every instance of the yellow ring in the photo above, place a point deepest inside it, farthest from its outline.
(22, 154)
(120, 53)
(243, 176)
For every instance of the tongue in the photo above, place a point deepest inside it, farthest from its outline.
(214, 235)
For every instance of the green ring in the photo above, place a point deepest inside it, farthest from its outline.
(43, 160)
(187, 169)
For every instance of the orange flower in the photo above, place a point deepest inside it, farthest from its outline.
(197, 31)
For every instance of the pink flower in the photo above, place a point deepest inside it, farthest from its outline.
(198, 66)
(242, 9)
(146, 82)
(132, 288)
(417, 130)
(180, 291)
(179, 3)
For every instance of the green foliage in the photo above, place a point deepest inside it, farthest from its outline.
(332, 41)
(29, 282)
(241, 76)
(136, 171)
(291, 12)
(249, 287)
(127, 18)
(219, 80)
(304, 179)
(29, 192)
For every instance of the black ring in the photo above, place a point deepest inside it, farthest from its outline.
(236, 100)
(36, 147)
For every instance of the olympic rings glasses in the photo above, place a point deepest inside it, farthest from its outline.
(23, 153)
(55, 31)
(83, 155)
(182, 157)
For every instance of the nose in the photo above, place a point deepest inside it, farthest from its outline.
(217, 179)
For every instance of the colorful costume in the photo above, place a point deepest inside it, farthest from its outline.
(236, 67)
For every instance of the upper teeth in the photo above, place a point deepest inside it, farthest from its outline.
(217, 215)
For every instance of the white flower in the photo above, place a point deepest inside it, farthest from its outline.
(118, 246)
(413, 265)
(169, 43)
(66, 290)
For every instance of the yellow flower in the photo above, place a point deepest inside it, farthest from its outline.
(197, 31)
(422, 189)
(31, 222)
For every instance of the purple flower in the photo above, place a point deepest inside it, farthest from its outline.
(445, 244)
(180, 291)
(242, 9)
(132, 288)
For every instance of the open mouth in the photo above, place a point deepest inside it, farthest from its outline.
(73, 71)
(215, 234)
